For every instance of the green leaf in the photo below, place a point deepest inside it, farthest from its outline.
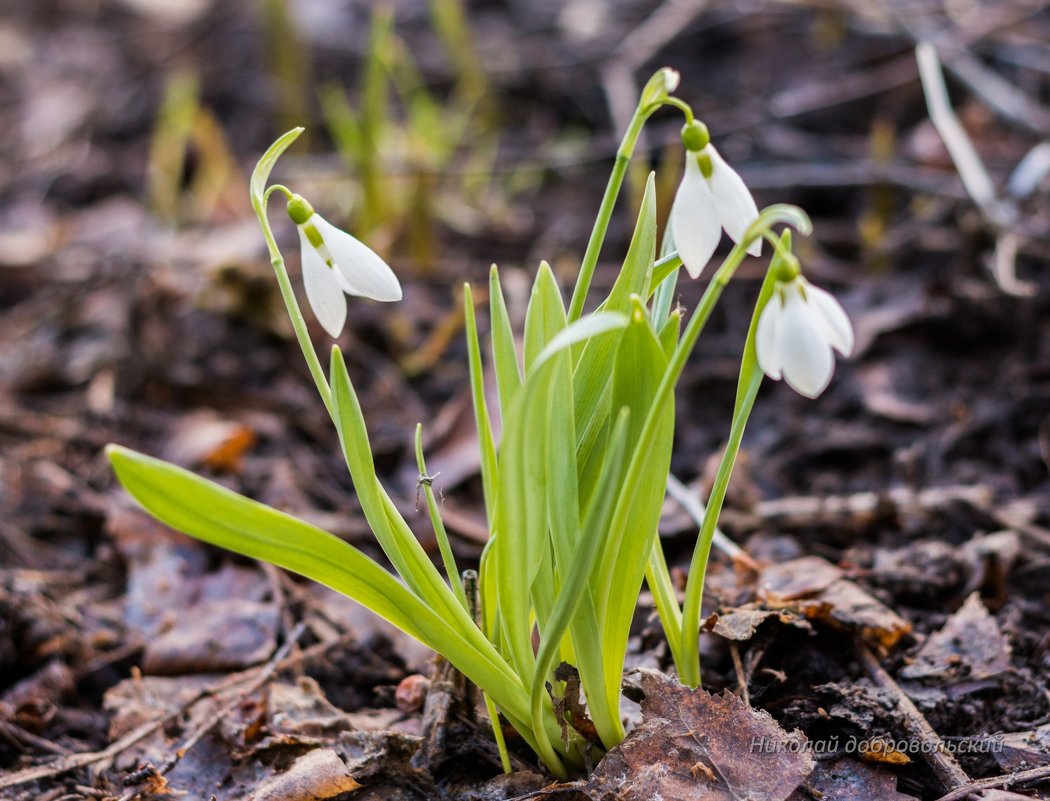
(670, 332)
(592, 376)
(504, 352)
(440, 534)
(575, 584)
(486, 439)
(545, 316)
(637, 375)
(217, 515)
(521, 537)
(638, 265)
(390, 529)
(261, 173)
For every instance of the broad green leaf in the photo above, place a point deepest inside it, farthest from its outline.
(575, 585)
(639, 368)
(545, 317)
(521, 514)
(637, 267)
(592, 375)
(390, 529)
(217, 515)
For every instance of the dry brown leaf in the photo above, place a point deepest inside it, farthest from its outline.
(316, 775)
(1024, 749)
(815, 588)
(202, 439)
(968, 646)
(740, 623)
(847, 779)
(694, 746)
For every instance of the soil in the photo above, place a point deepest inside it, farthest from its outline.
(897, 528)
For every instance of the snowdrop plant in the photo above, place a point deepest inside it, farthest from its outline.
(574, 487)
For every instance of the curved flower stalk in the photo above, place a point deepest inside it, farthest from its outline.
(711, 198)
(797, 331)
(335, 263)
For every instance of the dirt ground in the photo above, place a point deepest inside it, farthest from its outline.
(895, 595)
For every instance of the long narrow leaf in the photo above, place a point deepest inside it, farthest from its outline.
(504, 353)
(217, 515)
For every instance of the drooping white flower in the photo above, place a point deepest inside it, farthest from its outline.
(796, 333)
(711, 197)
(334, 263)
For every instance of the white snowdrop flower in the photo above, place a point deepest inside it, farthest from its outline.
(335, 263)
(711, 197)
(796, 333)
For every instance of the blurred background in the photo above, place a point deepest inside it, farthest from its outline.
(137, 304)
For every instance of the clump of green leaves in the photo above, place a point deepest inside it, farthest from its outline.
(573, 489)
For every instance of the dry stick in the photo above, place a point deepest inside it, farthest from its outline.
(82, 760)
(1000, 215)
(801, 510)
(264, 676)
(741, 675)
(1006, 780)
(948, 771)
(660, 27)
(20, 735)
(213, 720)
(694, 507)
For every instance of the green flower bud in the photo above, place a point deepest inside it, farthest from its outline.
(299, 209)
(787, 268)
(695, 136)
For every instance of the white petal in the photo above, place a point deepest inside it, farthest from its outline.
(363, 271)
(322, 289)
(733, 202)
(767, 347)
(805, 355)
(837, 326)
(694, 221)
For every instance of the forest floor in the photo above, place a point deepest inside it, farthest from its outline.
(888, 634)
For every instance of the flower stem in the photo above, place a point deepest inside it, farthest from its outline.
(601, 224)
(291, 304)
(688, 663)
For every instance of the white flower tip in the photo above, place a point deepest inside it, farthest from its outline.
(672, 78)
(360, 270)
(836, 322)
(808, 385)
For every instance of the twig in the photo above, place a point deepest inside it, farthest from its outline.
(806, 510)
(999, 214)
(971, 169)
(20, 735)
(216, 717)
(660, 27)
(741, 675)
(1006, 780)
(694, 507)
(948, 771)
